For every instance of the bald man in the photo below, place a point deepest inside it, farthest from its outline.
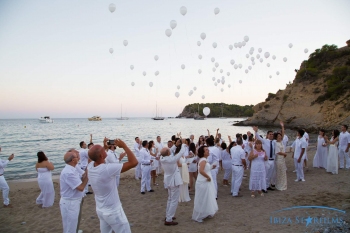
(102, 177)
(71, 189)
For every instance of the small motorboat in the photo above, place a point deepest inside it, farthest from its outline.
(45, 119)
(95, 118)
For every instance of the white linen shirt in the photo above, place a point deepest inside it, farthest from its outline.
(84, 158)
(3, 164)
(298, 145)
(145, 156)
(237, 154)
(69, 181)
(344, 139)
(159, 145)
(137, 149)
(214, 156)
(172, 176)
(112, 157)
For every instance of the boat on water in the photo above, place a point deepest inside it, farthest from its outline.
(222, 112)
(121, 114)
(45, 119)
(95, 118)
(197, 116)
(158, 118)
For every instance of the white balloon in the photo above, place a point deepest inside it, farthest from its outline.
(198, 43)
(218, 80)
(206, 110)
(251, 52)
(277, 72)
(213, 78)
(251, 48)
(156, 57)
(132, 84)
(125, 42)
(222, 89)
(267, 54)
(178, 87)
(247, 55)
(203, 36)
(253, 63)
(243, 43)
(290, 45)
(235, 66)
(252, 58)
(192, 91)
(194, 88)
(246, 71)
(223, 82)
(306, 50)
(229, 86)
(131, 67)
(216, 11)
(177, 94)
(228, 73)
(232, 62)
(189, 93)
(270, 76)
(257, 56)
(215, 84)
(246, 38)
(215, 45)
(144, 73)
(230, 46)
(249, 67)
(223, 78)
(259, 50)
(200, 56)
(273, 57)
(183, 66)
(199, 71)
(212, 59)
(173, 24)
(112, 7)
(168, 32)
(261, 60)
(285, 59)
(221, 70)
(235, 45)
(156, 73)
(240, 81)
(111, 50)
(240, 66)
(268, 64)
(216, 64)
(183, 10)
(239, 44)
(214, 69)
(150, 84)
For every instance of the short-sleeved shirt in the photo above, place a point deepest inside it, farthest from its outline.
(237, 154)
(214, 156)
(84, 157)
(344, 139)
(69, 181)
(103, 182)
(112, 157)
(298, 145)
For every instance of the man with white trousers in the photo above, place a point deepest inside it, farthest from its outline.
(238, 167)
(137, 148)
(3, 184)
(344, 145)
(172, 181)
(159, 145)
(145, 159)
(213, 159)
(299, 146)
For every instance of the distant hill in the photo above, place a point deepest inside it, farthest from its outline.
(319, 96)
(229, 110)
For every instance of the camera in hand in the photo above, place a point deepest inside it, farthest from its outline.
(110, 142)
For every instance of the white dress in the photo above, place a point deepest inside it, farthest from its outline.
(332, 160)
(320, 159)
(155, 163)
(205, 197)
(47, 195)
(184, 195)
(257, 179)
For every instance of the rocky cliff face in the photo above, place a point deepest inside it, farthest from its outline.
(319, 97)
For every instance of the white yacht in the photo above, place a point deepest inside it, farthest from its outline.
(45, 119)
(121, 114)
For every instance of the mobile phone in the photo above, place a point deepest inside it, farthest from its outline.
(110, 142)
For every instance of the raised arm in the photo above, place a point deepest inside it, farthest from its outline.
(282, 129)
(105, 140)
(90, 138)
(208, 133)
(257, 136)
(217, 133)
(229, 139)
(132, 161)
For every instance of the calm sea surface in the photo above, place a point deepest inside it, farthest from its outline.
(25, 137)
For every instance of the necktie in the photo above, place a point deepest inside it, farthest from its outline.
(270, 149)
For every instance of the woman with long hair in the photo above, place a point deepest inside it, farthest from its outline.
(154, 165)
(320, 159)
(332, 159)
(181, 163)
(281, 169)
(201, 142)
(257, 158)
(226, 163)
(192, 167)
(44, 168)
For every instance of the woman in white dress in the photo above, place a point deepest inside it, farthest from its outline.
(281, 169)
(201, 142)
(44, 168)
(320, 159)
(226, 163)
(181, 163)
(332, 161)
(205, 205)
(192, 167)
(154, 165)
(257, 159)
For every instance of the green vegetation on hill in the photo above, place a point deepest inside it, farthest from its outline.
(229, 110)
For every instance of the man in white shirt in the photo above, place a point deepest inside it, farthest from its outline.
(145, 158)
(213, 159)
(137, 148)
(238, 166)
(159, 145)
(299, 146)
(71, 190)
(344, 145)
(114, 157)
(306, 136)
(285, 141)
(102, 177)
(3, 184)
(172, 181)
(84, 160)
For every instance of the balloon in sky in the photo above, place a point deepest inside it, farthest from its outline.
(168, 32)
(111, 50)
(156, 57)
(214, 69)
(253, 63)
(252, 58)
(239, 44)
(261, 60)
(240, 66)
(246, 71)
(178, 87)
(240, 81)
(183, 10)
(229, 86)
(273, 57)
(221, 70)
(222, 89)
(246, 38)
(216, 11)
(228, 73)
(230, 46)
(144, 73)
(306, 50)
(189, 93)
(235, 66)
(216, 64)
(177, 94)
(213, 78)
(206, 111)
(212, 59)
(132, 84)
(259, 50)
(183, 66)
(198, 43)
(125, 42)
(249, 67)
(200, 56)
(232, 62)
(243, 43)
(251, 52)
(235, 45)
(270, 76)
(112, 7)
(173, 24)
(194, 88)
(267, 54)
(223, 82)
(284, 59)
(215, 45)
(223, 78)
(290, 45)
(215, 84)
(268, 64)
(131, 67)
(156, 73)
(203, 96)
(277, 72)
(247, 55)
(203, 36)
(218, 80)
(199, 71)
(150, 84)
(257, 56)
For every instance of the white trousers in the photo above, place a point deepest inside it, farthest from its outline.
(5, 190)
(146, 177)
(173, 201)
(343, 154)
(227, 173)
(299, 168)
(159, 168)
(269, 172)
(138, 169)
(70, 212)
(237, 176)
(214, 173)
(115, 221)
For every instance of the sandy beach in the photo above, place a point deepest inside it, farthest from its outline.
(146, 212)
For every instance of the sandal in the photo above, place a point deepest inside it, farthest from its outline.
(253, 196)
(261, 194)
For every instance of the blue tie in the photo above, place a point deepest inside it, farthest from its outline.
(270, 149)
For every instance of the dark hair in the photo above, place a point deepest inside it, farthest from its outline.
(170, 141)
(81, 144)
(239, 141)
(150, 144)
(112, 146)
(201, 151)
(230, 146)
(346, 127)
(192, 148)
(41, 156)
(245, 137)
(90, 144)
(136, 138)
(210, 141)
(199, 140)
(259, 142)
(144, 143)
(223, 146)
(178, 148)
(188, 141)
(323, 131)
(173, 138)
(238, 135)
(251, 137)
(336, 133)
(158, 136)
(268, 132)
(301, 132)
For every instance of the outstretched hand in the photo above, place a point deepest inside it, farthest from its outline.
(11, 157)
(119, 143)
(255, 128)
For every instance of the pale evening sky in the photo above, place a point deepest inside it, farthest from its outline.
(55, 60)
